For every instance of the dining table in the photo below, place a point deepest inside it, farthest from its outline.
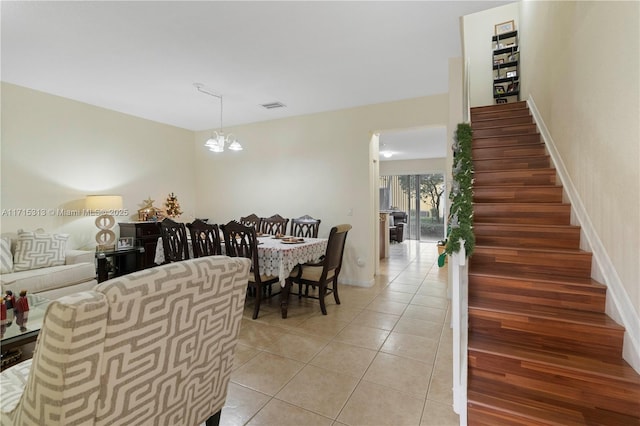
(276, 256)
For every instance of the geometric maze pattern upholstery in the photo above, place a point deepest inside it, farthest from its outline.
(38, 250)
(157, 351)
(6, 257)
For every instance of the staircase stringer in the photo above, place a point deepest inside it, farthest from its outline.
(618, 303)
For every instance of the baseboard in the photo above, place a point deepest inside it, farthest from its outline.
(618, 305)
(357, 283)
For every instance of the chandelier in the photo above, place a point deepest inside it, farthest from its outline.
(218, 140)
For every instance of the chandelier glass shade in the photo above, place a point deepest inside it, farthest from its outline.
(218, 140)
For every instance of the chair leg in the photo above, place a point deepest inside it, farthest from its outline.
(335, 291)
(256, 308)
(214, 420)
(322, 291)
(284, 298)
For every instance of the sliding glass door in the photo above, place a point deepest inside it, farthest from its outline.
(422, 197)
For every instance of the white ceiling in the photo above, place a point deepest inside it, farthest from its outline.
(416, 143)
(142, 57)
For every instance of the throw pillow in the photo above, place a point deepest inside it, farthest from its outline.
(6, 258)
(36, 250)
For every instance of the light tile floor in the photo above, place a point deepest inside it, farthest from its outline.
(381, 357)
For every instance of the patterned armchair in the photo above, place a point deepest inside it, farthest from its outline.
(150, 348)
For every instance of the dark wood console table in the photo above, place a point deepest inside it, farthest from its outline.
(114, 263)
(145, 235)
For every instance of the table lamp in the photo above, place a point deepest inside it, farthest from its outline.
(104, 205)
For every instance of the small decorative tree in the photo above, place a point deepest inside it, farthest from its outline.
(173, 206)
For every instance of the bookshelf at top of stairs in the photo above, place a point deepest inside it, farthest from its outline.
(541, 349)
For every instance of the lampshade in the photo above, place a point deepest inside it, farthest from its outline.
(103, 202)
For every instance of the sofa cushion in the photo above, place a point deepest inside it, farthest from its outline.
(6, 258)
(38, 280)
(39, 250)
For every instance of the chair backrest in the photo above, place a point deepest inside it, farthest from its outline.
(152, 347)
(274, 225)
(205, 238)
(305, 227)
(252, 220)
(174, 240)
(241, 241)
(399, 217)
(335, 250)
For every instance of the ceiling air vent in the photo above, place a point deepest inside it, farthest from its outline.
(273, 105)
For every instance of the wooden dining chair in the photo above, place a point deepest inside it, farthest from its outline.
(174, 240)
(274, 225)
(205, 238)
(320, 274)
(305, 227)
(241, 241)
(252, 220)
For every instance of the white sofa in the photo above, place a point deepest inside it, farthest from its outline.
(44, 265)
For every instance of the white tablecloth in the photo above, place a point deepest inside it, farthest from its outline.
(278, 258)
(274, 256)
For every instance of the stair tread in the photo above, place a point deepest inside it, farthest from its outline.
(527, 225)
(518, 112)
(584, 282)
(616, 369)
(535, 249)
(514, 171)
(595, 319)
(538, 408)
(502, 187)
(505, 136)
(530, 205)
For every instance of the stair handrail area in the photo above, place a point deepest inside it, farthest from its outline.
(459, 324)
(460, 245)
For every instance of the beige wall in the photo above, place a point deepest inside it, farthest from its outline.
(581, 69)
(316, 164)
(56, 151)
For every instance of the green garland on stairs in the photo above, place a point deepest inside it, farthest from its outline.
(461, 195)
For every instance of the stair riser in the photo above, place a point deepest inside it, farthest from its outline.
(515, 177)
(523, 236)
(541, 162)
(514, 261)
(560, 295)
(485, 416)
(517, 140)
(513, 113)
(508, 151)
(514, 213)
(571, 386)
(488, 109)
(516, 129)
(519, 194)
(547, 333)
(502, 121)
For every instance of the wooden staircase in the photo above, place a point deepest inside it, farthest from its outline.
(541, 349)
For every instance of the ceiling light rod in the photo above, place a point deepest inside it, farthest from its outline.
(218, 140)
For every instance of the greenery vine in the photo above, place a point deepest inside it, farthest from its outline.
(461, 195)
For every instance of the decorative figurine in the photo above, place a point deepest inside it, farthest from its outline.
(22, 303)
(9, 300)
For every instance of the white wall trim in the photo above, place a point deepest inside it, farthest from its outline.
(618, 306)
(357, 283)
